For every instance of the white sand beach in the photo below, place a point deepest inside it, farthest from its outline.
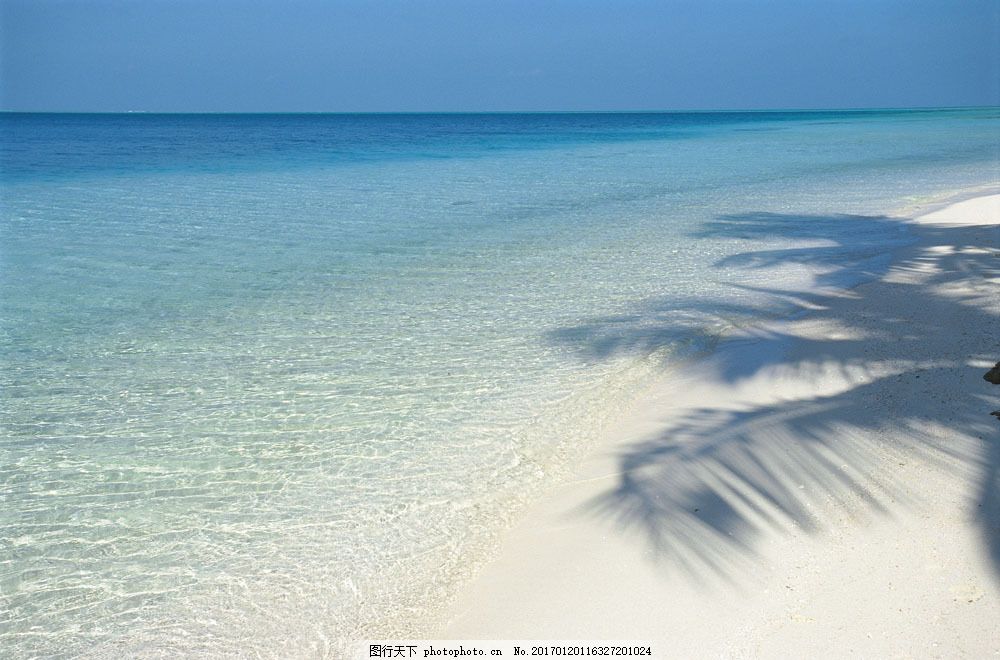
(824, 486)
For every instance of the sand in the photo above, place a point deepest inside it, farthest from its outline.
(824, 486)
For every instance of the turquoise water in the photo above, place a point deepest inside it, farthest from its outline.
(271, 381)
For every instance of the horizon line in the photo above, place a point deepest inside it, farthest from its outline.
(490, 112)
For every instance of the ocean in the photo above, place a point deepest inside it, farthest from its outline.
(269, 382)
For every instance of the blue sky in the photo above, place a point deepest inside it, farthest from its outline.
(469, 55)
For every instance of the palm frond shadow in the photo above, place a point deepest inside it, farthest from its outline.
(704, 491)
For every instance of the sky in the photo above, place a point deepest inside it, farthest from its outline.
(502, 55)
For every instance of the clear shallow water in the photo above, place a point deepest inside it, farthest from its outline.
(270, 381)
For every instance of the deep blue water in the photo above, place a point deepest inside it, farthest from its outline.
(60, 145)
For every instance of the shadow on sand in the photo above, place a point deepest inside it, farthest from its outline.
(893, 395)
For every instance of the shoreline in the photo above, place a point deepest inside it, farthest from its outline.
(823, 482)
